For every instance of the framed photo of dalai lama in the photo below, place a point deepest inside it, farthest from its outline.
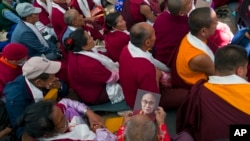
(146, 103)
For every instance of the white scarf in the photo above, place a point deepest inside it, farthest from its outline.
(197, 43)
(136, 52)
(72, 28)
(37, 33)
(79, 130)
(37, 93)
(230, 79)
(104, 60)
(84, 6)
(47, 6)
(54, 5)
(114, 90)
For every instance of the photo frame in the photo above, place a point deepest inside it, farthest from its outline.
(146, 103)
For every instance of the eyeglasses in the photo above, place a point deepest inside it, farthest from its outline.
(147, 102)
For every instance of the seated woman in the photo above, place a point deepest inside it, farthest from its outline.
(46, 120)
(117, 37)
(92, 75)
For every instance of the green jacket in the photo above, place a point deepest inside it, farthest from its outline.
(5, 23)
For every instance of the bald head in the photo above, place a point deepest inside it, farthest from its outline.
(200, 18)
(179, 7)
(140, 32)
(174, 6)
(140, 128)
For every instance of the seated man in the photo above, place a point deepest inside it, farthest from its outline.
(75, 20)
(27, 34)
(13, 57)
(37, 81)
(138, 69)
(195, 59)
(225, 97)
(63, 121)
(141, 127)
(170, 27)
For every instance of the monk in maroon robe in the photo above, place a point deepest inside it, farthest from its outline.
(222, 101)
(135, 11)
(170, 27)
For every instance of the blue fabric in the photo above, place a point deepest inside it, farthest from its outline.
(66, 34)
(119, 5)
(11, 16)
(240, 39)
(24, 35)
(18, 97)
(3, 44)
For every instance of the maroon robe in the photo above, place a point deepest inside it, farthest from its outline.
(74, 4)
(88, 77)
(131, 12)
(8, 74)
(114, 43)
(136, 73)
(57, 21)
(169, 31)
(94, 33)
(98, 23)
(206, 116)
(43, 15)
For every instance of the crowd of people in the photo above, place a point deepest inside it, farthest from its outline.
(170, 48)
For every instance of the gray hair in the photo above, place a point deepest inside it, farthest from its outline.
(69, 16)
(140, 128)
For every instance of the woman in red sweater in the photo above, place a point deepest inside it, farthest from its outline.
(117, 36)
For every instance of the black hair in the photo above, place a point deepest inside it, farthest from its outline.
(43, 76)
(76, 40)
(36, 119)
(174, 6)
(229, 58)
(199, 18)
(23, 18)
(110, 20)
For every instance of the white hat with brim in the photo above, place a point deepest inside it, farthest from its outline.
(36, 66)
